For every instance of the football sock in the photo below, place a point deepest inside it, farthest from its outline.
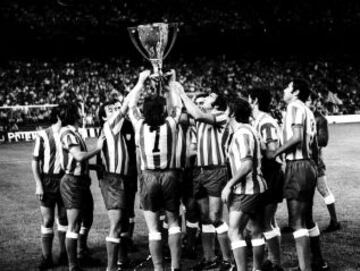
(208, 241)
(258, 248)
(274, 246)
(302, 243)
(191, 231)
(224, 241)
(47, 236)
(123, 247)
(131, 227)
(174, 241)
(112, 246)
(314, 235)
(83, 235)
(239, 251)
(71, 247)
(61, 236)
(155, 246)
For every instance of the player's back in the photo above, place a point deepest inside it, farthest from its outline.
(157, 144)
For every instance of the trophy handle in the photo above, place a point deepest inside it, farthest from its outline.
(136, 44)
(172, 40)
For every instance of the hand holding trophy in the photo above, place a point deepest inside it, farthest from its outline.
(151, 41)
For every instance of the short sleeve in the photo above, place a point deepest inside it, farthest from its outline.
(244, 146)
(297, 115)
(268, 133)
(69, 141)
(38, 148)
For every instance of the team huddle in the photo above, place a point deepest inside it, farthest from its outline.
(204, 153)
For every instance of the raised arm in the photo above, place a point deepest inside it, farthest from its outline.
(193, 110)
(134, 95)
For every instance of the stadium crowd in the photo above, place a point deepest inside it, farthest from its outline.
(91, 81)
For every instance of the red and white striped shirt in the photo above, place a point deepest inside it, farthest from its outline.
(210, 140)
(245, 145)
(70, 137)
(268, 131)
(298, 115)
(157, 147)
(114, 154)
(48, 150)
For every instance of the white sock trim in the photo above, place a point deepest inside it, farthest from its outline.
(192, 225)
(45, 230)
(208, 228)
(62, 227)
(258, 242)
(162, 217)
(314, 232)
(329, 199)
(72, 235)
(271, 234)
(165, 225)
(174, 230)
(112, 240)
(83, 230)
(154, 236)
(131, 220)
(222, 228)
(301, 233)
(124, 234)
(238, 244)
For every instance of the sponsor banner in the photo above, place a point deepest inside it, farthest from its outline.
(343, 119)
(22, 136)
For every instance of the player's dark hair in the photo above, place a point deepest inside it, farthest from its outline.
(68, 114)
(220, 102)
(154, 111)
(54, 114)
(102, 113)
(303, 87)
(241, 110)
(263, 97)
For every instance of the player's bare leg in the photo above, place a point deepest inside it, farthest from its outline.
(47, 236)
(174, 239)
(87, 218)
(237, 224)
(113, 240)
(329, 199)
(297, 214)
(272, 235)
(215, 213)
(72, 236)
(155, 243)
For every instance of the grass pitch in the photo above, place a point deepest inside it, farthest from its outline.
(20, 213)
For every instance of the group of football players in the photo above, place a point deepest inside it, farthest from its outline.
(205, 153)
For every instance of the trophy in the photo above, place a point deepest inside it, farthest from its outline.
(154, 42)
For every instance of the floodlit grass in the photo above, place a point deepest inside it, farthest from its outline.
(20, 214)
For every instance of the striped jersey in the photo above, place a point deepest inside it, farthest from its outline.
(190, 142)
(268, 131)
(47, 150)
(299, 115)
(114, 154)
(245, 145)
(70, 137)
(210, 139)
(156, 146)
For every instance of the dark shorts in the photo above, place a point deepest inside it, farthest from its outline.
(51, 187)
(160, 190)
(209, 181)
(274, 177)
(321, 168)
(248, 204)
(130, 185)
(300, 180)
(75, 192)
(112, 190)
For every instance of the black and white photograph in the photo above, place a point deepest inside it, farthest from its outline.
(175, 135)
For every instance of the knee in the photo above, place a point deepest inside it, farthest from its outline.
(233, 233)
(62, 219)
(215, 218)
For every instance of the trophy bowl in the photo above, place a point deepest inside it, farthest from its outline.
(154, 42)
